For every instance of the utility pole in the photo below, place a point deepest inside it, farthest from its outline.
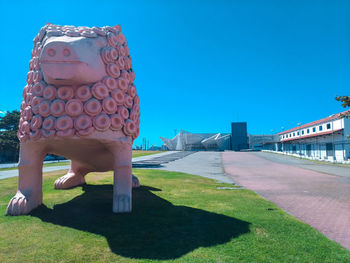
(143, 143)
(299, 131)
(333, 146)
(273, 141)
(263, 142)
(283, 145)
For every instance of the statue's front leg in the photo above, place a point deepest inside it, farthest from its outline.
(29, 193)
(122, 188)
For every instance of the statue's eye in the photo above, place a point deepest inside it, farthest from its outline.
(66, 52)
(51, 52)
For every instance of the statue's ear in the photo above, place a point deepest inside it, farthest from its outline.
(118, 27)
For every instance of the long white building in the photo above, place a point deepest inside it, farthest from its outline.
(325, 139)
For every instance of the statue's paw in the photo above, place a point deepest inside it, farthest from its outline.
(122, 204)
(135, 182)
(68, 181)
(19, 205)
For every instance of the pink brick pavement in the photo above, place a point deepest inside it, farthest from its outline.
(318, 199)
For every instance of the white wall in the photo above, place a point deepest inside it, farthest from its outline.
(340, 143)
(334, 125)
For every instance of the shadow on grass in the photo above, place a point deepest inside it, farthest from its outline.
(155, 229)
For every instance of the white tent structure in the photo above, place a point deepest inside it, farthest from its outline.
(186, 141)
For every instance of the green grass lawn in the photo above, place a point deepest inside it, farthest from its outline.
(135, 153)
(139, 153)
(176, 217)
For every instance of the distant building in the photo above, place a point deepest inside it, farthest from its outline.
(265, 141)
(239, 139)
(186, 141)
(325, 139)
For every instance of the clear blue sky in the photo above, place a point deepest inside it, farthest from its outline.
(202, 64)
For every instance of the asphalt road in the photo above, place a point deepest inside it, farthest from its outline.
(206, 164)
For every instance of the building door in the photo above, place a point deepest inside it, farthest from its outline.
(329, 149)
(308, 150)
(294, 149)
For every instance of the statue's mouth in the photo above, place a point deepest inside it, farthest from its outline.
(67, 72)
(60, 62)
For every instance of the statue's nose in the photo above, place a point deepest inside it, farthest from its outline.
(58, 52)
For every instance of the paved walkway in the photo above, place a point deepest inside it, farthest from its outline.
(206, 164)
(320, 200)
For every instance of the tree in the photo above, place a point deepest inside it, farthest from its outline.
(9, 144)
(344, 99)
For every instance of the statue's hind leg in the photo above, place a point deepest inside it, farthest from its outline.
(29, 193)
(122, 187)
(135, 182)
(74, 177)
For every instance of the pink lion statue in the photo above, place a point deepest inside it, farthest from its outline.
(79, 102)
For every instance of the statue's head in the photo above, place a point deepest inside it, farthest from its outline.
(80, 79)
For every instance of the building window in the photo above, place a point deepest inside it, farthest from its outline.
(314, 129)
(298, 133)
(308, 131)
(293, 134)
(328, 126)
(320, 128)
(302, 132)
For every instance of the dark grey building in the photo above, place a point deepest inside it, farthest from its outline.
(239, 137)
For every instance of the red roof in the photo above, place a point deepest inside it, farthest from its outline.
(311, 135)
(332, 117)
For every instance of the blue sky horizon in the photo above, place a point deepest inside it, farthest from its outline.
(201, 65)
